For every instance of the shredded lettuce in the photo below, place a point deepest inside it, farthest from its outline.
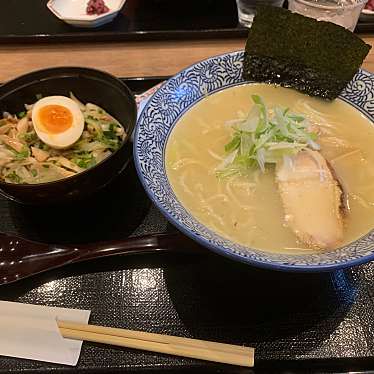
(265, 137)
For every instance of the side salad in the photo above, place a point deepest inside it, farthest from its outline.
(24, 158)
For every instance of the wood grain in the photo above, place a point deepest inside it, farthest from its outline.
(130, 59)
(127, 59)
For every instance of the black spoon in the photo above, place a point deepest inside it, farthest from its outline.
(21, 258)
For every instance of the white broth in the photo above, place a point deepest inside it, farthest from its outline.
(248, 210)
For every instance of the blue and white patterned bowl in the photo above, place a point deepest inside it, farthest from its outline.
(154, 126)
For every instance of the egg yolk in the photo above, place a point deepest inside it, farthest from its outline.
(55, 118)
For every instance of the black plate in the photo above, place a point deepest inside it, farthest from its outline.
(22, 21)
(298, 323)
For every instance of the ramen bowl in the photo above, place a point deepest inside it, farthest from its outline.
(89, 85)
(155, 124)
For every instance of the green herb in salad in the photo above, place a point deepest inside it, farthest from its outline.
(84, 160)
(23, 154)
(265, 137)
(14, 177)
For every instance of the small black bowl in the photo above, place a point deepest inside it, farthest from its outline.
(89, 85)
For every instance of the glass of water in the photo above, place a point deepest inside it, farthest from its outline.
(342, 12)
(246, 9)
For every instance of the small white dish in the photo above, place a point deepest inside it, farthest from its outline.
(74, 13)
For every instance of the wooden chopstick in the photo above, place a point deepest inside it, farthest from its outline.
(174, 345)
(141, 335)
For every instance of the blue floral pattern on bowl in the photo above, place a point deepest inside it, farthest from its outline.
(156, 122)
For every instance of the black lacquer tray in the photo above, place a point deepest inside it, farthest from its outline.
(299, 323)
(31, 21)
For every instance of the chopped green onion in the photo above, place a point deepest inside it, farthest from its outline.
(23, 154)
(265, 137)
(84, 160)
(14, 177)
(234, 144)
(29, 137)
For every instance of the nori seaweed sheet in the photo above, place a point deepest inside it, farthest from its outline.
(316, 57)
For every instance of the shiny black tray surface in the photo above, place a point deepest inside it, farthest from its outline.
(138, 20)
(30, 20)
(299, 323)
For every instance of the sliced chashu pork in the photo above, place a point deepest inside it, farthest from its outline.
(311, 199)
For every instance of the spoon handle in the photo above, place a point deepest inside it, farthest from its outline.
(175, 242)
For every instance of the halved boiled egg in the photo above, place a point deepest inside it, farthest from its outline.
(57, 121)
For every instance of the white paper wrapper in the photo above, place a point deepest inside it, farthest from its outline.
(30, 331)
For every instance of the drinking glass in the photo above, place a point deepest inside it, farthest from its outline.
(342, 12)
(246, 9)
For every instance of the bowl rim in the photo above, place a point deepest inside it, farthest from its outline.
(228, 252)
(367, 12)
(87, 18)
(124, 143)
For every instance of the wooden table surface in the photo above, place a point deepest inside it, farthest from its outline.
(126, 59)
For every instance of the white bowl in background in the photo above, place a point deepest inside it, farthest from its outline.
(74, 13)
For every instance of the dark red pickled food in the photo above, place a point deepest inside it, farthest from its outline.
(370, 5)
(96, 7)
